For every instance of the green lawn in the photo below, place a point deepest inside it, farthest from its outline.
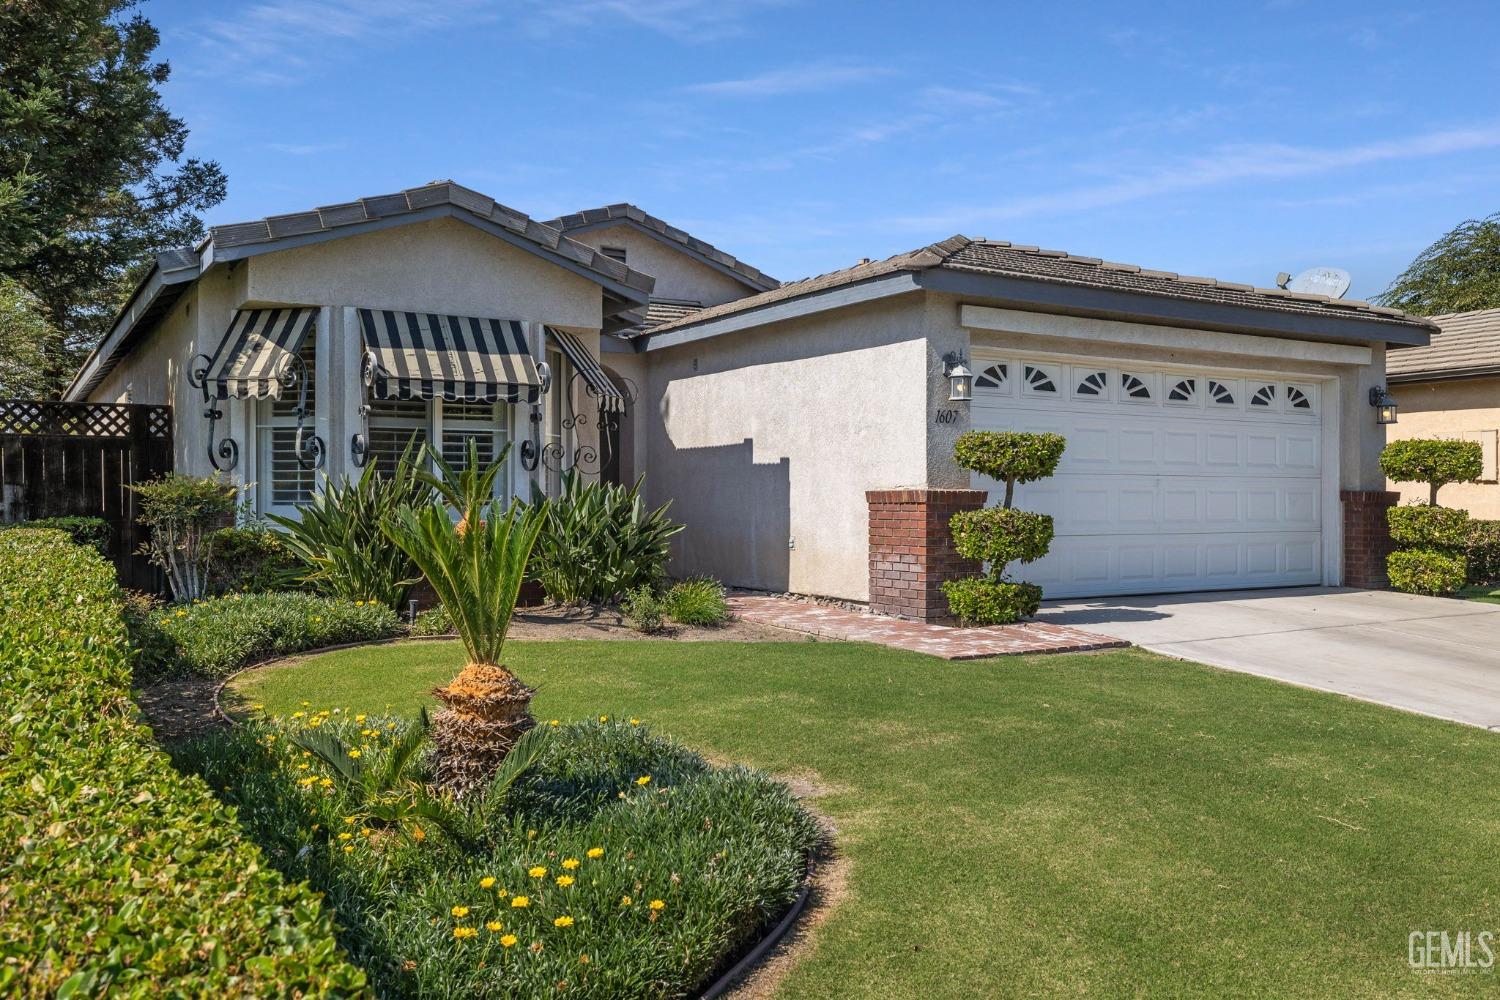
(1106, 824)
(1490, 595)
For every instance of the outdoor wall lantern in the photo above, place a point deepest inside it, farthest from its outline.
(1385, 405)
(960, 378)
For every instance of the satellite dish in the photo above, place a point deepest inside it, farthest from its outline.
(1330, 281)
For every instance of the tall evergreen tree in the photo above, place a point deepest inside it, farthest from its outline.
(92, 176)
(1458, 273)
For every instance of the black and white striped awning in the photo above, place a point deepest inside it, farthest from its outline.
(579, 357)
(255, 351)
(456, 358)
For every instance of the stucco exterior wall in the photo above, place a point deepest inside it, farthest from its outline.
(1450, 410)
(678, 276)
(441, 266)
(766, 440)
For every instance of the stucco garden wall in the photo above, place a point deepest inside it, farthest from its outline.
(1450, 410)
(766, 441)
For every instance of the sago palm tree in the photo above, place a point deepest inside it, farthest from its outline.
(476, 566)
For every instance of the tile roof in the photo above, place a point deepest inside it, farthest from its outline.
(1467, 343)
(438, 193)
(627, 213)
(996, 257)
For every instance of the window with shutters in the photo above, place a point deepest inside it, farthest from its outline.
(284, 482)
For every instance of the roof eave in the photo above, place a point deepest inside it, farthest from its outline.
(157, 292)
(1162, 310)
(763, 284)
(1444, 374)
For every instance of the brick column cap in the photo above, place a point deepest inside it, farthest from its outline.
(924, 496)
(1387, 497)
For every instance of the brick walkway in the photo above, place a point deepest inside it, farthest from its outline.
(936, 640)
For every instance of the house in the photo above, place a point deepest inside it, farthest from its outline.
(1451, 389)
(1219, 435)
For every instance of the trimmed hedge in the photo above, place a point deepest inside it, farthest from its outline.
(1425, 571)
(1484, 552)
(1419, 526)
(93, 532)
(119, 874)
(217, 636)
(979, 600)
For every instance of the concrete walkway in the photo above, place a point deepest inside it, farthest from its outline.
(1424, 654)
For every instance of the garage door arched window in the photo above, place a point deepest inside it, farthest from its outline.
(1135, 386)
(1039, 379)
(1265, 396)
(1185, 391)
(995, 377)
(1093, 384)
(1296, 399)
(1220, 393)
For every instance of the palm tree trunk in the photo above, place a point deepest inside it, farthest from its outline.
(488, 709)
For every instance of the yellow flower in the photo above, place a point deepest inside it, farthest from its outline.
(657, 904)
(563, 921)
(554, 722)
(506, 940)
(298, 715)
(635, 722)
(493, 927)
(530, 834)
(464, 932)
(418, 834)
(307, 704)
(626, 901)
(521, 902)
(359, 604)
(360, 717)
(354, 754)
(570, 863)
(326, 782)
(603, 718)
(488, 882)
(304, 766)
(181, 614)
(596, 852)
(348, 848)
(346, 836)
(538, 872)
(644, 779)
(350, 820)
(564, 880)
(460, 911)
(583, 959)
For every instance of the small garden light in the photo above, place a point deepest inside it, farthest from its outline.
(960, 378)
(1385, 405)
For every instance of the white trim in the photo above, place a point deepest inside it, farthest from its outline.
(1105, 331)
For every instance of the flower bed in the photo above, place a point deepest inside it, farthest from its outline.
(118, 873)
(621, 864)
(217, 636)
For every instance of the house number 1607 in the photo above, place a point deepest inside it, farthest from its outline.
(947, 416)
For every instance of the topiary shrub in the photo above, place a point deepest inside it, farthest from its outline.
(1433, 461)
(979, 600)
(1001, 535)
(1425, 571)
(1419, 526)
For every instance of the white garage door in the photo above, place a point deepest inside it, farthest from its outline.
(1172, 480)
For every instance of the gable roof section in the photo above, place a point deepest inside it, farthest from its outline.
(624, 289)
(1057, 281)
(707, 253)
(1468, 346)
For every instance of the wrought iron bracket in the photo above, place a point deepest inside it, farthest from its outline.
(588, 457)
(359, 442)
(308, 447)
(226, 454)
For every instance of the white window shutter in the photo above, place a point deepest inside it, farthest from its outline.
(1489, 446)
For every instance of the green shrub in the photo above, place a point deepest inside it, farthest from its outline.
(1435, 462)
(1425, 571)
(433, 621)
(724, 850)
(697, 602)
(1009, 457)
(340, 536)
(122, 876)
(599, 541)
(1482, 551)
(155, 652)
(93, 532)
(219, 635)
(1419, 526)
(984, 601)
(643, 609)
(181, 511)
(249, 560)
(1001, 535)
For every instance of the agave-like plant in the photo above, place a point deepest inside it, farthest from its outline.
(388, 796)
(600, 542)
(338, 535)
(476, 566)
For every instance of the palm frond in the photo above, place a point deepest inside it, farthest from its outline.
(523, 756)
(390, 771)
(334, 752)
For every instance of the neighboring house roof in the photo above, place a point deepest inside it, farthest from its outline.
(1117, 288)
(662, 311)
(707, 253)
(624, 289)
(1467, 346)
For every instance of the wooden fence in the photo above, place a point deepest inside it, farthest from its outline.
(77, 459)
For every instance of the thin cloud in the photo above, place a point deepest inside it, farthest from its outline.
(305, 149)
(1226, 165)
(790, 80)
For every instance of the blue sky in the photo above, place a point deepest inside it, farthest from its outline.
(1227, 139)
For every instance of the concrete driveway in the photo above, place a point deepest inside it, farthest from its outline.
(1423, 654)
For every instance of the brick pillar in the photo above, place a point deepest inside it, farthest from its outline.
(911, 549)
(1367, 536)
